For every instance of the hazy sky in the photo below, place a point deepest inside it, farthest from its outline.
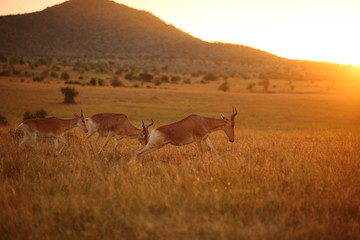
(320, 30)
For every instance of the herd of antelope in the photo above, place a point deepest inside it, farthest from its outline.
(193, 128)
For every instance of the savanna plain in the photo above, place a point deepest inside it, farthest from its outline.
(293, 171)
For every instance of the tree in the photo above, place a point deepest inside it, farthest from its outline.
(69, 94)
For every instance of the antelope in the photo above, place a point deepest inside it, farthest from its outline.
(51, 127)
(193, 128)
(115, 125)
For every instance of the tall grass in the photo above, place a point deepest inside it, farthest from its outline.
(292, 173)
(266, 185)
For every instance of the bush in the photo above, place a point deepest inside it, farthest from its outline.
(3, 120)
(73, 82)
(130, 77)
(101, 82)
(38, 79)
(224, 86)
(116, 82)
(157, 82)
(165, 79)
(69, 94)
(175, 79)
(5, 73)
(146, 77)
(65, 75)
(37, 114)
(211, 77)
(54, 74)
(93, 81)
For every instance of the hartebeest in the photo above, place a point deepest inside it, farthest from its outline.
(116, 125)
(51, 127)
(193, 128)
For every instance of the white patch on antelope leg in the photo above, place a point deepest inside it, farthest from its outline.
(209, 144)
(60, 138)
(23, 140)
(109, 136)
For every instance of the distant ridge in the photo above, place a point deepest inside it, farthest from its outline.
(105, 29)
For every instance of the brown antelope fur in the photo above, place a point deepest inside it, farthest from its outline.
(193, 128)
(115, 125)
(51, 127)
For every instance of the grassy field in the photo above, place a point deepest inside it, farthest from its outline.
(292, 173)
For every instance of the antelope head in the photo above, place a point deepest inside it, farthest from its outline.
(229, 125)
(144, 136)
(80, 121)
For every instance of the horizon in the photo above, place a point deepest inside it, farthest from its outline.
(304, 30)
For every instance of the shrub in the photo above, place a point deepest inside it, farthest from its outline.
(69, 94)
(37, 114)
(211, 77)
(38, 79)
(116, 82)
(157, 82)
(5, 73)
(146, 77)
(54, 74)
(224, 86)
(130, 76)
(175, 79)
(73, 82)
(3, 120)
(65, 75)
(165, 78)
(101, 82)
(93, 81)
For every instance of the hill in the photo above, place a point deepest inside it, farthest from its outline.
(103, 28)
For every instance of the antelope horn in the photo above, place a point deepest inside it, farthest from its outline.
(82, 114)
(143, 124)
(235, 112)
(152, 123)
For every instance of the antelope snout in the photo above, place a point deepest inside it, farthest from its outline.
(231, 140)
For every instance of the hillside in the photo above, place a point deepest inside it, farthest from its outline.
(103, 28)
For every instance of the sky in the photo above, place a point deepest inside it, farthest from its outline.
(316, 30)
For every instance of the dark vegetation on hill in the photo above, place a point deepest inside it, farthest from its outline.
(96, 30)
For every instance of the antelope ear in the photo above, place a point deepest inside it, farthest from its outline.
(223, 117)
(76, 115)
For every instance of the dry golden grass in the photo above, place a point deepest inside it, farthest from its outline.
(292, 173)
